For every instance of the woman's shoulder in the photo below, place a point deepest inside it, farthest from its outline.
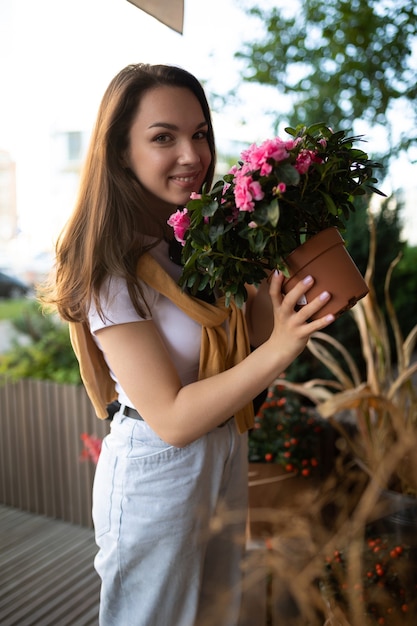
(115, 301)
(116, 304)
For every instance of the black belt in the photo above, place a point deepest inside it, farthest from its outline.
(130, 412)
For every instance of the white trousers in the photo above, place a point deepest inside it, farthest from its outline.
(170, 526)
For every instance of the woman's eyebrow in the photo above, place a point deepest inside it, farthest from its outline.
(173, 126)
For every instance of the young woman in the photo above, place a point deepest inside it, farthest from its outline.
(170, 492)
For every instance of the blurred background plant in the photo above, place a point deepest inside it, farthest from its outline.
(287, 433)
(44, 353)
(91, 448)
(384, 588)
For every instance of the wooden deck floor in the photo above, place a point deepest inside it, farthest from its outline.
(47, 576)
(46, 572)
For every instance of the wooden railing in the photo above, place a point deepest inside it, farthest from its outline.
(40, 447)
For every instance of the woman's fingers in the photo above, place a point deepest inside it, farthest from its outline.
(297, 296)
(276, 280)
(293, 297)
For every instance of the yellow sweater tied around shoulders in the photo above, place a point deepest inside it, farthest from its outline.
(219, 351)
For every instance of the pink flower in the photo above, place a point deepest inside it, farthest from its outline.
(225, 188)
(246, 192)
(259, 157)
(195, 196)
(279, 189)
(303, 161)
(180, 222)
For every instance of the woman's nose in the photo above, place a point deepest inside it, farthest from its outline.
(188, 153)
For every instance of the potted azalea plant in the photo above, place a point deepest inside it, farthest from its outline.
(275, 200)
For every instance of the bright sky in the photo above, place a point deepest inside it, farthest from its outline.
(57, 58)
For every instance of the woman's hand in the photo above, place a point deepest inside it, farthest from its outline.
(292, 329)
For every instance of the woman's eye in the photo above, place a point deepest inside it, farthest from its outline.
(202, 134)
(162, 138)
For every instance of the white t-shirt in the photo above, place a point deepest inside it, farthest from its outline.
(181, 334)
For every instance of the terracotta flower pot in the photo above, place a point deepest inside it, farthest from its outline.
(325, 257)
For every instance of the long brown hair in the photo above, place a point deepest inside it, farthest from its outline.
(102, 236)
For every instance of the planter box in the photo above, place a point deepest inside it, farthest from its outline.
(272, 489)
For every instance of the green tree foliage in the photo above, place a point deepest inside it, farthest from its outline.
(46, 354)
(388, 223)
(404, 289)
(341, 61)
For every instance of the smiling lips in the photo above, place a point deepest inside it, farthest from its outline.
(186, 179)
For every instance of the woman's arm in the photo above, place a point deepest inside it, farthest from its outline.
(180, 414)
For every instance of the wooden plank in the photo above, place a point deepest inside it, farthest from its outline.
(47, 575)
(40, 469)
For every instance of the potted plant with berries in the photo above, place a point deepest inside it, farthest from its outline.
(387, 588)
(285, 456)
(286, 433)
(277, 201)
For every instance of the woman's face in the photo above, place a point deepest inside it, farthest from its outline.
(168, 147)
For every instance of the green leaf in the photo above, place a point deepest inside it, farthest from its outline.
(200, 238)
(216, 232)
(209, 209)
(287, 173)
(273, 212)
(331, 207)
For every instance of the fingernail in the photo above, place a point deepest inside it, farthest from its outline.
(276, 272)
(324, 295)
(307, 280)
(330, 318)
